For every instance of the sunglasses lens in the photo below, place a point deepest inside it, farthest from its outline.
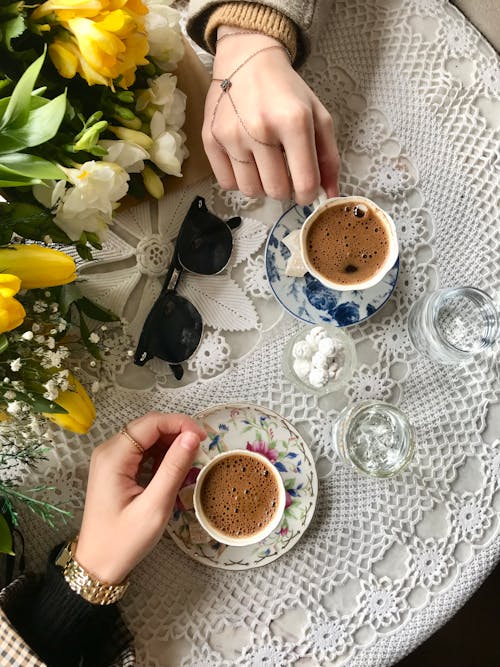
(205, 242)
(171, 332)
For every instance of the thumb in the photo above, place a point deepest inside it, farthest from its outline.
(163, 488)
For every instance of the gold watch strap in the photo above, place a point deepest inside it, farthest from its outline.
(82, 582)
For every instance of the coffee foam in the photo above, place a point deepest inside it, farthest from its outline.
(348, 243)
(239, 495)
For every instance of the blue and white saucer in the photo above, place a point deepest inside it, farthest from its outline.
(306, 298)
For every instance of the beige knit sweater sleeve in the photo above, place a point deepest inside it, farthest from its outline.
(296, 23)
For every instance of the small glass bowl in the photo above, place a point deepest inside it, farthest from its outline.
(345, 358)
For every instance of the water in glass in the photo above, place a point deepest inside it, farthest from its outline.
(375, 437)
(452, 325)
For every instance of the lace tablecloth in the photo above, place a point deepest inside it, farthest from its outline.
(415, 92)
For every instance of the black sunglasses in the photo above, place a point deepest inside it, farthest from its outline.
(173, 329)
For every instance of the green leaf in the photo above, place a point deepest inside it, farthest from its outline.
(40, 125)
(19, 182)
(18, 107)
(85, 333)
(67, 296)
(12, 29)
(84, 251)
(30, 166)
(95, 311)
(41, 404)
(31, 222)
(5, 537)
(4, 343)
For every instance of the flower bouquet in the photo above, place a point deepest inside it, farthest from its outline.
(89, 112)
(45, 332)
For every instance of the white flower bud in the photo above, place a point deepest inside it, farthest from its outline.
(15, 365)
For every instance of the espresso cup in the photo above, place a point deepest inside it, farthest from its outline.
(374, 255)
(234, 493)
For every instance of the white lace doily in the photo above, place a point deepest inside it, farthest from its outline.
(415, 91)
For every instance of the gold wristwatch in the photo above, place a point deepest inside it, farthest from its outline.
(82, 582)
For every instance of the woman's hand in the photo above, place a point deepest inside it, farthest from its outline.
(278, 139)
(122, 521)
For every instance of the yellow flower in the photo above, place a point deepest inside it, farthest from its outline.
(37, 266)
(12, 312)
(102, 40)
(80, 409)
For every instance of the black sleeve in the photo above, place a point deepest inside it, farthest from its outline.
(63, 628)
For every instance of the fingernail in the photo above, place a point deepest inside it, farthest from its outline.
(189, 441)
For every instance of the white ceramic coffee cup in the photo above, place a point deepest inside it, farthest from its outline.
(386, 219)
(247, 540)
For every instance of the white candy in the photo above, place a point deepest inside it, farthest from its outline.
(315, 335)
(302, 368)
(319, 360)
(318, 377)
(327, 346)
(302, 350)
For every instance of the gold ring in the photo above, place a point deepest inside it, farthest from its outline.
(137, 445)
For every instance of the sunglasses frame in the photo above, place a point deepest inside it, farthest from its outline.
(175, 270)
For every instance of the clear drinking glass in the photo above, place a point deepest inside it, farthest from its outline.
(453, 324)
(374, 437)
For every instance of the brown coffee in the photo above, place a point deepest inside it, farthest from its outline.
(239, 495)
(348, 243)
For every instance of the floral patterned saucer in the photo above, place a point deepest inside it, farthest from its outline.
(306, 298)
(245, 426)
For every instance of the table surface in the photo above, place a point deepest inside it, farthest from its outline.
(415, 93)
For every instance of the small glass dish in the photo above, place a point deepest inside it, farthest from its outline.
(345, 357)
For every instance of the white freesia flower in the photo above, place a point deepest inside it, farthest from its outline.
(163, 96)
(176, 115)
(168, 150)
(164, 36)
(88, 203)
(126, 154)
(159, 94)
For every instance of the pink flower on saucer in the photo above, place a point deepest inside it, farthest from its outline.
(263, 448)
(288, 499)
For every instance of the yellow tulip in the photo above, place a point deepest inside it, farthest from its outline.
(37, 266)
(12, 312)
(80, 409)
(105, 40)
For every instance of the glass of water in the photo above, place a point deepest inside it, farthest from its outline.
(452, 325)
(374, 437)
